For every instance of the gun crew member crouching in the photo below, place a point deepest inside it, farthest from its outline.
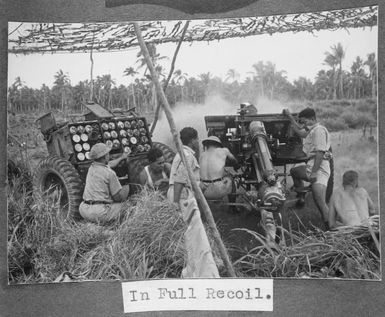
(103, 195)
(215, 182)
(156, 174)
(351, 205)
(179, 185)
(316, 146)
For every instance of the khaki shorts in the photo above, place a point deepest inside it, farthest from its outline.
(185, 194)
(217, 190)
(323, 172)
(100, 213)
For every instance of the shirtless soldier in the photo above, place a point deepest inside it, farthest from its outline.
(351, 204)
(215, 182)
(156, 174)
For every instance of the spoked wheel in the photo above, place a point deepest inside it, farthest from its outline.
(56, 177)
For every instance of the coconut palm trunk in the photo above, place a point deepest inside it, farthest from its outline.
(198, 193)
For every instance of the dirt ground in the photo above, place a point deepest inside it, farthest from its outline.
(292, 217)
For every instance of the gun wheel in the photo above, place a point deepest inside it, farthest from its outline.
(57, 177)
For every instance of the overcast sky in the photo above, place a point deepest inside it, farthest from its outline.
(299, 54)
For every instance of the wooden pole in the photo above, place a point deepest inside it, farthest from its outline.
(91, 96)
(169, 75)
(198, 193)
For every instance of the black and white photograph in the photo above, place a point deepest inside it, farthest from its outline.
(206, 148)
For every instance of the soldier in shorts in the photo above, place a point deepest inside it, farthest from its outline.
(215, 182)
(103, 195)
(316, 146)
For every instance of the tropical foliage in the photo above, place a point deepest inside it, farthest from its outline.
(263, 80)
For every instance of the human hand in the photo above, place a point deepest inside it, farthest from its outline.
(313, 177)
(160, 181)
(124, 156)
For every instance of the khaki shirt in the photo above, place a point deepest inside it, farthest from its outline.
(101, 183)
(318, 139)
(179, 173)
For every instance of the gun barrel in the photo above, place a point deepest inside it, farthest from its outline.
(264, 161)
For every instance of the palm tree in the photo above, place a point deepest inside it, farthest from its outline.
(155, 58)
(372, 64)
(107, 83)
(322, 84)
(232, 75)
(180, 79)
(45, 91)
(273, 77)
(15, 94)
(332, 62)
(62, 83)
(259, 76)
(338, 54)
(358, 74)
(205, 80)
(130, 71)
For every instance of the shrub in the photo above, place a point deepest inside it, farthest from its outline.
(333, 124)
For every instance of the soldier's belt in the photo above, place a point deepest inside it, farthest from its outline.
(96, 202)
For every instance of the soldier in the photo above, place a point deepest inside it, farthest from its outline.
(351, 204)
(316, 146)
(156, 174)
(216, 183)
(180, 186)
(103, 195)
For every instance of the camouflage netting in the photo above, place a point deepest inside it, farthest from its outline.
(103, 36)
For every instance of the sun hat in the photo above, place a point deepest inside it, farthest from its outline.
(212, 139)
(99, 150)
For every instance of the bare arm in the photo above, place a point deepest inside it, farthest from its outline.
(167, 169)
(372, 210)
(121, 195)
(296, 127)
(143, 177)
(114, 163)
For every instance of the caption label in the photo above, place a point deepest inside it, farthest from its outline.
(198, 294)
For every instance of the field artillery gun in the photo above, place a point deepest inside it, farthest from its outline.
(265, 145)
(65, 169)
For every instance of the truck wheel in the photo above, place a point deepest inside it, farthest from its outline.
(168, 153)
(55, 174)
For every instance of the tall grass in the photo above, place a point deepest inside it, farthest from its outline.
(342, 254)
(42, 243)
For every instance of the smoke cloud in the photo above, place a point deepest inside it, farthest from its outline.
(192, 115)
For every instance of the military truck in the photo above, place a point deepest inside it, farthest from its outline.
(69, 143)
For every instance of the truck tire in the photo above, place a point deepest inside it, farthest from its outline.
(168, 153)
(136, 165)
(55, 173)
